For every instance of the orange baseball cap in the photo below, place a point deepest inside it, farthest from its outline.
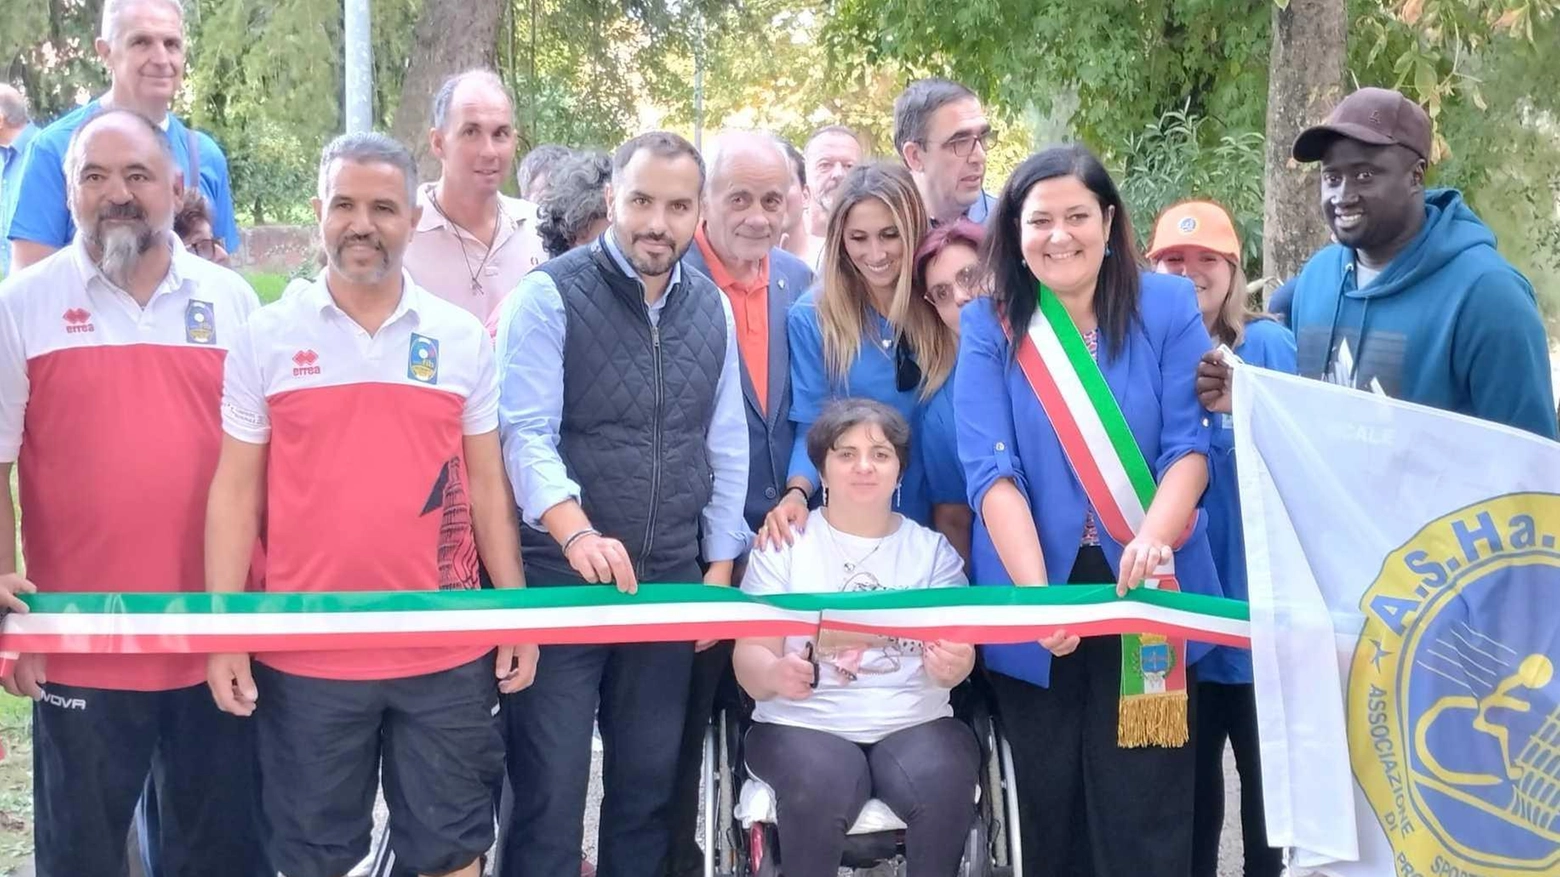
(1195, 224)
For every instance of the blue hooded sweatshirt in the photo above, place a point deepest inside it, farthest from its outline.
(1448, 323)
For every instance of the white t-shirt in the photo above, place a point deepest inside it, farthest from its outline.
(868, 687)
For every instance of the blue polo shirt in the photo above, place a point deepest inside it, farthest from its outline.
(41, 214)
(11, 158)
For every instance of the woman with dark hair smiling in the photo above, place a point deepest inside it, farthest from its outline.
(843, 717)
(1086, 452)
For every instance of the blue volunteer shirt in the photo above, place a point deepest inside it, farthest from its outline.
(1267, 345)
(11, 158)
(42, 216)
(871, 376)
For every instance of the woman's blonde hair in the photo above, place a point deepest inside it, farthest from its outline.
(844, 299)
(1229, 324)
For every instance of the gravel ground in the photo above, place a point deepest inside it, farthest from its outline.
(1229, 853)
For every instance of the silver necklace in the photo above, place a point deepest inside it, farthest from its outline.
(849, 566)
(498, 218)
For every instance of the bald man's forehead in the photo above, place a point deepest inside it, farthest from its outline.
(478, 96)
(122, 142)
(753, 165)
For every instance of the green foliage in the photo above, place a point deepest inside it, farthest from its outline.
(588, 72)
(46, 48)
(1124, 62)
(267, 286)
(1168, 162)
(266, 78)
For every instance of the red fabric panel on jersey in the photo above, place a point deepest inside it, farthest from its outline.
(368, 492)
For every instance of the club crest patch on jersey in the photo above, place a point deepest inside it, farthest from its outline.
(200, 323)
(422, 359)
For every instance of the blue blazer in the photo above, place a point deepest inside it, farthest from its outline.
(770, 432)
(1004, 433)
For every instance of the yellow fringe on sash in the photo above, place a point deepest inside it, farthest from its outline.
(1152, 720)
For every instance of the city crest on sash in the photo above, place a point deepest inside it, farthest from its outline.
(1453, 705)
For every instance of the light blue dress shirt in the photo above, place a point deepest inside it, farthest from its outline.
(10, 185)
(530, 341)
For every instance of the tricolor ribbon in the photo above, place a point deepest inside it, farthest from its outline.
(1103, 453)
(164, 623)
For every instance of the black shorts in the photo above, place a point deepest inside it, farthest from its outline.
(321, 742)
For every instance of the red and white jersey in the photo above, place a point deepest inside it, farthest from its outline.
(112, 413)
(366, 478)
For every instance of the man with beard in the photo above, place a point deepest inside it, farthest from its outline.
(626, 441)
(829, 155)
(737, 246)
(142, 44)
(941, 134)
(361, 421)
(473, 243)
(113, 495)
(1412, 300)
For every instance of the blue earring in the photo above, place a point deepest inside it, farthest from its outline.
(1107, 250)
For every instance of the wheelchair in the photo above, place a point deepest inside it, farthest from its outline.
(740, 835)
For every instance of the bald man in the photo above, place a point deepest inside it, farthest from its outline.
(113, 499)
(16, 132)
(473, 243)
(738, 246)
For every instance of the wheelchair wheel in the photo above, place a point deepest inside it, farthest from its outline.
(977, 852)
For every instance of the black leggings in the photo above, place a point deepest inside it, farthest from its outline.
(925, 774)
(1229, 712)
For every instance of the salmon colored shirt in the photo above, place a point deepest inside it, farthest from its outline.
(449, 262)
(750, 308)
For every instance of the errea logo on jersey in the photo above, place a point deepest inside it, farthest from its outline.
(304, 363)
(78, 320)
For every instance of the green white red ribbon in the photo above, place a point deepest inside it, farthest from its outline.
(163, 623)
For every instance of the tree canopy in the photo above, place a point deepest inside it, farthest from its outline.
(1172, 93)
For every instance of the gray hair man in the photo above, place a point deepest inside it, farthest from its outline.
(738, 247)
(626, 441)
(16, 132)
(361, 416)
(535, 172)
(941, 134)
(473, 243)
(573, 210)
(142, 45)
(829, 155)
(111, 495)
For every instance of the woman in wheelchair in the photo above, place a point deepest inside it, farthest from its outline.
(844, 719)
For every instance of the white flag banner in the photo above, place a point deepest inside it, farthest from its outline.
(1405, 609)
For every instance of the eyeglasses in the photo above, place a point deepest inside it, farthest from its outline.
(968, 279)
(964, 144)
(907, 372)
(206, 248)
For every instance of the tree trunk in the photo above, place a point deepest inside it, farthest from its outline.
(451, 36)
(1305, 81)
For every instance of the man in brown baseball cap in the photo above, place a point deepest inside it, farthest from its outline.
(1373, 116)
(1411, 299)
